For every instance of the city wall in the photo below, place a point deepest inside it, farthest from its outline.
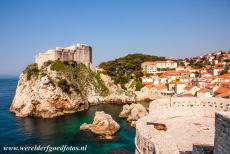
(212, 104)
(217, 108)
(222, 133)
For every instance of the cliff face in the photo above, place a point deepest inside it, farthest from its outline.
(60, 88)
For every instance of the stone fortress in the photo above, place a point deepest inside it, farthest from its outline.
(185, 126)
(81, 53)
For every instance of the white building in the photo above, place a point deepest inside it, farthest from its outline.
(151, 67)
(166, 64)
(180, 88)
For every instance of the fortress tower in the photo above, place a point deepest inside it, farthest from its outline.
(81, 53)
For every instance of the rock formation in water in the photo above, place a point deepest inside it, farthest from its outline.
(133, 112)
(59, 88)
(103, 124)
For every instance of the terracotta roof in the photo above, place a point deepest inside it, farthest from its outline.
(172, 82)
(149, 86)
(226, 83)
(221, 90)
(225, 76)
(163, 76)
(148, 62)
(189, 86)
(225, 95)
(166, 61)
(210, 85)
(188, 95)
(203, 90)
(160, 87)
(148, 83)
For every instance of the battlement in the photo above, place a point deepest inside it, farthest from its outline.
(193, 125)
(81, 53)
(212, 104)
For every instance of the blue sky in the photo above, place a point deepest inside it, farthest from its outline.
(114, 28)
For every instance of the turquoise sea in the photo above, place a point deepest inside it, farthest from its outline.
(30, 131)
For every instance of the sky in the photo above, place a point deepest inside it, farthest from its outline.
(114, 28)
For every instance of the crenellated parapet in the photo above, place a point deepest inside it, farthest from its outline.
(191, 124)
(214, 104)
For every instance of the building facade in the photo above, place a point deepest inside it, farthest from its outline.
(154, 67)
(80, 53)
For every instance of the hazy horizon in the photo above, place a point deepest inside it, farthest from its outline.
(174, 29)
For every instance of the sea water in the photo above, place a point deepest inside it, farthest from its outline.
(30, 131)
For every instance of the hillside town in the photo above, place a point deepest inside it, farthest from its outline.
(201, 76)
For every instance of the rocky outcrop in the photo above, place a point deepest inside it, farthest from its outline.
(103, 125)
(133, 112)
(42, 99)
(56, 89)
(117, 94)
(59, 88)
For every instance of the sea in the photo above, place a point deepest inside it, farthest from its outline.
(38, 136)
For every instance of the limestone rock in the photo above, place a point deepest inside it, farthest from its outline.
(103, 124)
(38, 97)
(133, 112)
(117, 94)
(53, 92)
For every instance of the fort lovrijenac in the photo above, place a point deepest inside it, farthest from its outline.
(81, 53)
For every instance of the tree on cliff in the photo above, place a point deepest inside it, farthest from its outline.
(123, 69)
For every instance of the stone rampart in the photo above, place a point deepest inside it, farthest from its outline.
(166, 110)
(213, 104)
(222, 133)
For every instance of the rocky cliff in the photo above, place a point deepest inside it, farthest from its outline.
(59, 88)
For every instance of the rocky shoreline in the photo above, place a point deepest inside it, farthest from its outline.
(49, 93)
(133, 113)
(103, 124)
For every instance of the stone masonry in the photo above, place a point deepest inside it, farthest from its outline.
(194, 125)
(80, 53)
(222, 133)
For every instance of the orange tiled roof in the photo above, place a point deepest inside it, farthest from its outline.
(210, 85)
(149, 86)
(203, 90)
(225, 76)
(226, 83)
(148, 62)
(225, 95)
(159, 87)
(172, 82)
(189, 86)
(163, 76)
(221, 90)
(148, 83)
(188, 95)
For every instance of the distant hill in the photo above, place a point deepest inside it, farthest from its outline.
(123, 69)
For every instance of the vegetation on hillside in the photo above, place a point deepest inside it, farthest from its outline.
(73, 76)
(31, 71)
(123, 69)
(198, 64)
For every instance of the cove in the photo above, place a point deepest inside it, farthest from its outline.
(30, 131)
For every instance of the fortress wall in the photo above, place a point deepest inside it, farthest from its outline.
(143, 145)
(202, 149)
(145, 142)
(79, 53)
(217, 104)
(43, 57)
(222, 133)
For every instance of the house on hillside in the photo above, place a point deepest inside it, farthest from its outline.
(204, 93)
